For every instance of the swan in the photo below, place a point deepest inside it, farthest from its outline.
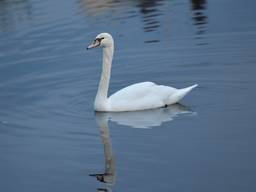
(139, 96)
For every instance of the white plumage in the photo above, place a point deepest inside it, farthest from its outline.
(139, 96)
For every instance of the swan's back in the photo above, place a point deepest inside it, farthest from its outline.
(140, 96)
(133, 91)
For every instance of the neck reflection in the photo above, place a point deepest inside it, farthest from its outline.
(108, 177)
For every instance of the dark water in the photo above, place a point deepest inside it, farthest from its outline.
(50, 138)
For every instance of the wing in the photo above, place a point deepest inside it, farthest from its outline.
(134, 91)
(145, 95)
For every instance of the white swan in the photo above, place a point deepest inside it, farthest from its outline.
(139, 96)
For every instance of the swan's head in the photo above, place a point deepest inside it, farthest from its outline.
(102, 40)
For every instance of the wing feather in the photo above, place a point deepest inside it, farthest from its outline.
(139, 96)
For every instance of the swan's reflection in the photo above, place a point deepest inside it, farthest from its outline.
(137, 119)
(147, 118)
(108, 176)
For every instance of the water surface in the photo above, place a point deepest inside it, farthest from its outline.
(50, 137)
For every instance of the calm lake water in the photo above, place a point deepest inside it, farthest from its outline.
(51, 139)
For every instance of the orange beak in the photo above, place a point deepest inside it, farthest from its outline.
(95, 43)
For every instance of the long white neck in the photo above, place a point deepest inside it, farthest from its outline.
(102, 94)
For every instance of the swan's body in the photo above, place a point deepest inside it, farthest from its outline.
(139, 96)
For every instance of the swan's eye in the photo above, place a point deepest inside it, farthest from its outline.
(99, 39)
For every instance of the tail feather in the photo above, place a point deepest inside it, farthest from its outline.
(176, 97)
(182, 92)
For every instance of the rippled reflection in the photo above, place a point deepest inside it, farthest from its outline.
(94, 8)
(150, 12)
(14, 12)
(200, 18)
(147, 118)
(108, 176)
